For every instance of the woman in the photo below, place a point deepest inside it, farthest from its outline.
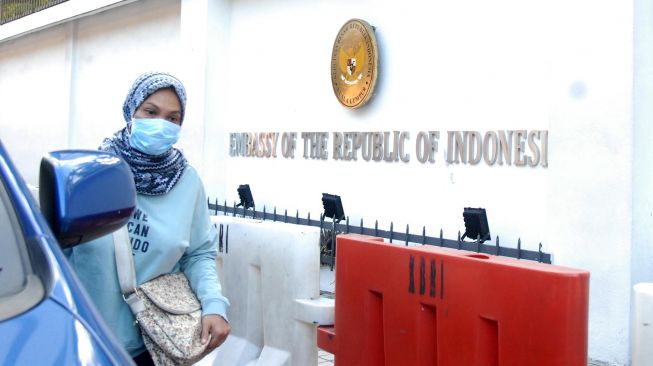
(170, 230)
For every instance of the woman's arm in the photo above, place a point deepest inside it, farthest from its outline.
(199, 265)
(198, 262)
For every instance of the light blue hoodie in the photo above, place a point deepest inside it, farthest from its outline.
(168, 233)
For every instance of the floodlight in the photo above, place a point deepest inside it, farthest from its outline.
(333, 207)
(476, 226)
(245, 194)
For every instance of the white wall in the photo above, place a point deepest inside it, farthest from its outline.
(642, 230)
(63, 87)
(472, 65)
(253, 66)
(34, 95)
(643, 135)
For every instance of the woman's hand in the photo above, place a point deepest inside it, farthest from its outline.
(217, 328)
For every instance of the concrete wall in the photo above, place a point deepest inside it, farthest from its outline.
(468, 65)
(643, 135)
(263, 66)
(63, 87)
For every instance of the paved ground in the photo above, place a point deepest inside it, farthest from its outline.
(324, 358)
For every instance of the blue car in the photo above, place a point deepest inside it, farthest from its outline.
(46, 317)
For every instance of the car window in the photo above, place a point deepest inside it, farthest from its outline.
(12, 267)
(20, 288)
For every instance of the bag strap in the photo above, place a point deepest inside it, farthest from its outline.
(125, 270)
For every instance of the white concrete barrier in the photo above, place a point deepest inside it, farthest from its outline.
(270, 271)
(642, 326)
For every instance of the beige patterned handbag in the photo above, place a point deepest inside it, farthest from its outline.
(165, 308)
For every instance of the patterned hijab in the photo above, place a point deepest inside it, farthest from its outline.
(153, 174)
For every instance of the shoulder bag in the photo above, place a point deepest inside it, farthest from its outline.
(166, 310)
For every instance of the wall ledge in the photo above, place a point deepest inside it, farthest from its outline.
(55, 15)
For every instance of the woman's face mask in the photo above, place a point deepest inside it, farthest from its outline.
(153, 136)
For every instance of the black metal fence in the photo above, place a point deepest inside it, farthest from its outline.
(393, 235)
(15, 9)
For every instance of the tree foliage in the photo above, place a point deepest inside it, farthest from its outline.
(15, 9)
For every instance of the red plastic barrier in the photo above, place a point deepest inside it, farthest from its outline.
(398, 305)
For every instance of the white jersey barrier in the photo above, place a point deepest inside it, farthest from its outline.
(642, 326)
(270, 272)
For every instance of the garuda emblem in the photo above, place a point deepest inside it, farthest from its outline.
(354, 63)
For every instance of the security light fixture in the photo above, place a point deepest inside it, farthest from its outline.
(245, 194)
(333, 207)
(476, 226)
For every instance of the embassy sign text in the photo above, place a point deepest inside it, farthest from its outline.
(509, 147)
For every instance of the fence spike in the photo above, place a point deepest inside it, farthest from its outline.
(361, 226)
(309, 219)
(478, 243)
(519, 248)
(406, 234)
(391, 225)
(234, 209)
(376, 228)
(424, 235)
(539, 253)
(285, 216)
(274, 218)
(498, 247)
(459, 241)
(347, 227)
(297, 217)
(225, 207)
(263, 212)
(441, 238)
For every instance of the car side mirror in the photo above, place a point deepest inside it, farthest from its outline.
(85, 194)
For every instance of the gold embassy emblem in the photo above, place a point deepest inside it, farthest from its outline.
(354, 63)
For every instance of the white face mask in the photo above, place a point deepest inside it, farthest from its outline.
(153, 136)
